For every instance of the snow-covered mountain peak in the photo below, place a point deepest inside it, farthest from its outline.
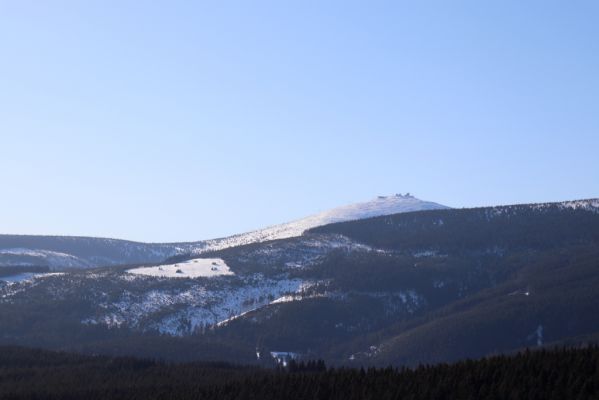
(381, 205)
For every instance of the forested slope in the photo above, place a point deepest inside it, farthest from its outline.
(557, 374)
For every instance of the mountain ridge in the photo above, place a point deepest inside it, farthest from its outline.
(78, 251)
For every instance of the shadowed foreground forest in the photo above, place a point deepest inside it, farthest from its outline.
(543, 374)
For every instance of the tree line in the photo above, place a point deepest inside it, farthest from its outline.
(544, 374)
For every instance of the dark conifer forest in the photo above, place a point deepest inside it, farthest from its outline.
(543, 374)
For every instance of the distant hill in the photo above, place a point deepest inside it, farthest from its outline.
(59, 252)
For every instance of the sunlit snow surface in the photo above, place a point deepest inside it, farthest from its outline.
(198, 267)
(382, 205)
(181, 310)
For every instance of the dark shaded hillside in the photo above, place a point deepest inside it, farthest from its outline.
(486, 305)
(7, 271)
(491, 229)
(555, 374)
(549, 301)
(523, 276)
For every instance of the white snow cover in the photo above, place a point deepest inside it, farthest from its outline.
(51, 258)
(587, 205)
(185, 310)
(198, 267)
(382, 205)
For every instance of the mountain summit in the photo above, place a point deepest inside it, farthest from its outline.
(382, 205)
(379, 206)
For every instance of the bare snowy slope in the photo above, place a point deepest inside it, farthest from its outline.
(80, 252)
(382, 205)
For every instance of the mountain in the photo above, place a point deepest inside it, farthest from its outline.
(424, 286)
(86, 252)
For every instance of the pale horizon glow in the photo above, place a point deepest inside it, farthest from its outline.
(189, 121)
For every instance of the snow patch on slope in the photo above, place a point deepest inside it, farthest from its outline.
(586, 205)
(198, 267)
(181, 312)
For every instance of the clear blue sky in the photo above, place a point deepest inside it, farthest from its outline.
(189, 120)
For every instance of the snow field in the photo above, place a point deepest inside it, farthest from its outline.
(198, 267)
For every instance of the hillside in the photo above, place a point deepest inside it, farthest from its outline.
(427, 286)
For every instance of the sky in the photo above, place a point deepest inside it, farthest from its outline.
(188, 120)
